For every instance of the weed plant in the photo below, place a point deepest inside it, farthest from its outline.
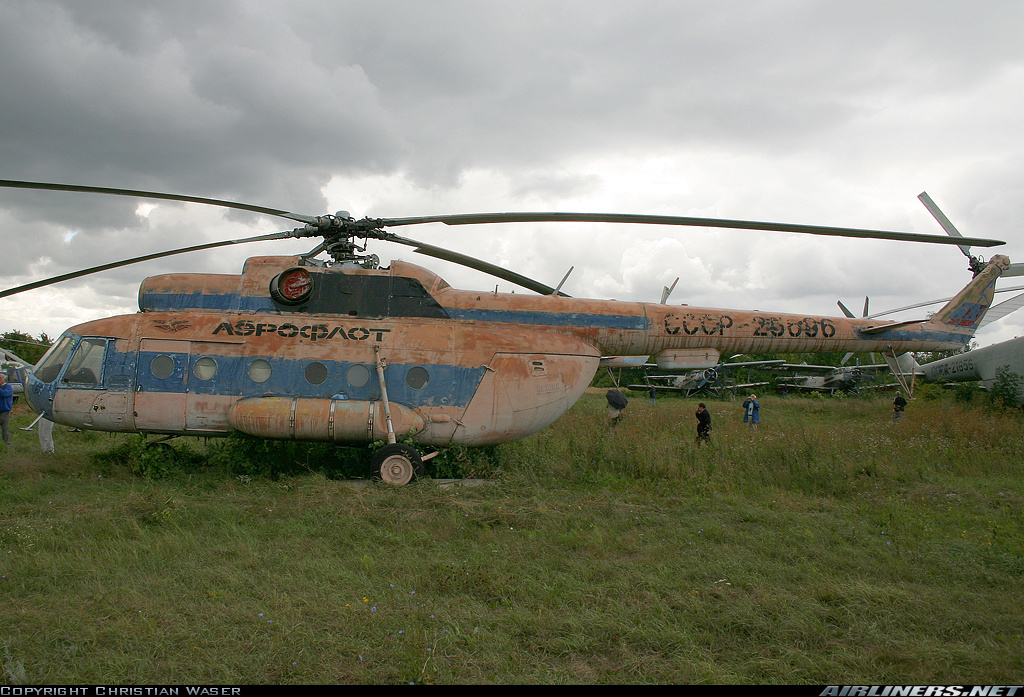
(829, 546)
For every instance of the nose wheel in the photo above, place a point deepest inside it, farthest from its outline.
(396, 464)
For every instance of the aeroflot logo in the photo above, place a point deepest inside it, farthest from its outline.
(313, 332)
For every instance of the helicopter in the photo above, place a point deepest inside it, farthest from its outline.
(343, 350)
(978, 365)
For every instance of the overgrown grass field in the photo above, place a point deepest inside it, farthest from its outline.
(829, 546)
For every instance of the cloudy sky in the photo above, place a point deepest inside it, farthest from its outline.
(801, 111)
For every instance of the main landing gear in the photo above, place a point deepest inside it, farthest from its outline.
(396, 463)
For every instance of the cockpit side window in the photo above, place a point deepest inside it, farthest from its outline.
(86, 366)
(54, 360)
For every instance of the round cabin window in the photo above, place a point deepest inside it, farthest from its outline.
(162, 366)
(259, 370)
(205, 368)
(358, 375)
(316, 373)
(417, 378)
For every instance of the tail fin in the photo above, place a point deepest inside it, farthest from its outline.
(962, 315)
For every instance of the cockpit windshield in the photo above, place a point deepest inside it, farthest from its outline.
(54, 360)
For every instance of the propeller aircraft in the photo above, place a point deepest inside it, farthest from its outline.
(827, 378)
(707, 379)
(346, 351)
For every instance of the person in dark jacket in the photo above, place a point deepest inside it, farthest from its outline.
(703, 424)
(898, 406)
(617, 403)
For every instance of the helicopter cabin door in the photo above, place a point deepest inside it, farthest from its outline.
(160, 385)
(178, 386)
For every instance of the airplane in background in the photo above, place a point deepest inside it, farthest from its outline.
(15, 369)
(827, 378)
(713, 379)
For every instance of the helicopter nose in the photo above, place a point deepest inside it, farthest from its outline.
(35, 397)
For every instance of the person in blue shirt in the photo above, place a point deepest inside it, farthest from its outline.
(751, 411)
(6, 402)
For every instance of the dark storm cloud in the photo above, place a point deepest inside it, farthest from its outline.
(777, 105)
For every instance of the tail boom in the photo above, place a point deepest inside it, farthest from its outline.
(958, 320)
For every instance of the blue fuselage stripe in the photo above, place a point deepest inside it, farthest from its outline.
(552, 319)
(446, 385)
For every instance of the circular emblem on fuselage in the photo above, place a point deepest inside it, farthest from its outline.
(291, 287)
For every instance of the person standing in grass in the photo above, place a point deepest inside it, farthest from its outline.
(6, 403)
(898, 406)
(703, 424)
(46, 435)
(617, 403)
(751, 411)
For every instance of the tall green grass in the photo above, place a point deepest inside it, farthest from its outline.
(830, 545)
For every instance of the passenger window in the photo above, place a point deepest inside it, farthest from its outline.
(358, 375)
(205, 368)
(162, 366)
(316, 373)
(259, 370)
(417, 378)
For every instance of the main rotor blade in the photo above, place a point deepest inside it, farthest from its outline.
(478, 264)
(15, 184)
(481, 218)
(135, 260)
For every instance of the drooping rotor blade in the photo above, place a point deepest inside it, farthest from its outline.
(135, 260)
(940, 217)
(997, 312)
(478, 264)
(482, 218)
(667, 291)
(845, 309)
(15, 184)
(565, 278)
(943, 221)
(936, 302)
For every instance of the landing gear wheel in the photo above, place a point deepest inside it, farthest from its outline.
(396, 464)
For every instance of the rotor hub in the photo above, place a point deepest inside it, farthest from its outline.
(340, 232)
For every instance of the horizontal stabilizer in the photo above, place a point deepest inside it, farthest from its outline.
(890, 327)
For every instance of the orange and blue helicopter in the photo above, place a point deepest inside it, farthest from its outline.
(342, 350)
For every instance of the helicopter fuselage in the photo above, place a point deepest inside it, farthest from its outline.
(290, 351)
